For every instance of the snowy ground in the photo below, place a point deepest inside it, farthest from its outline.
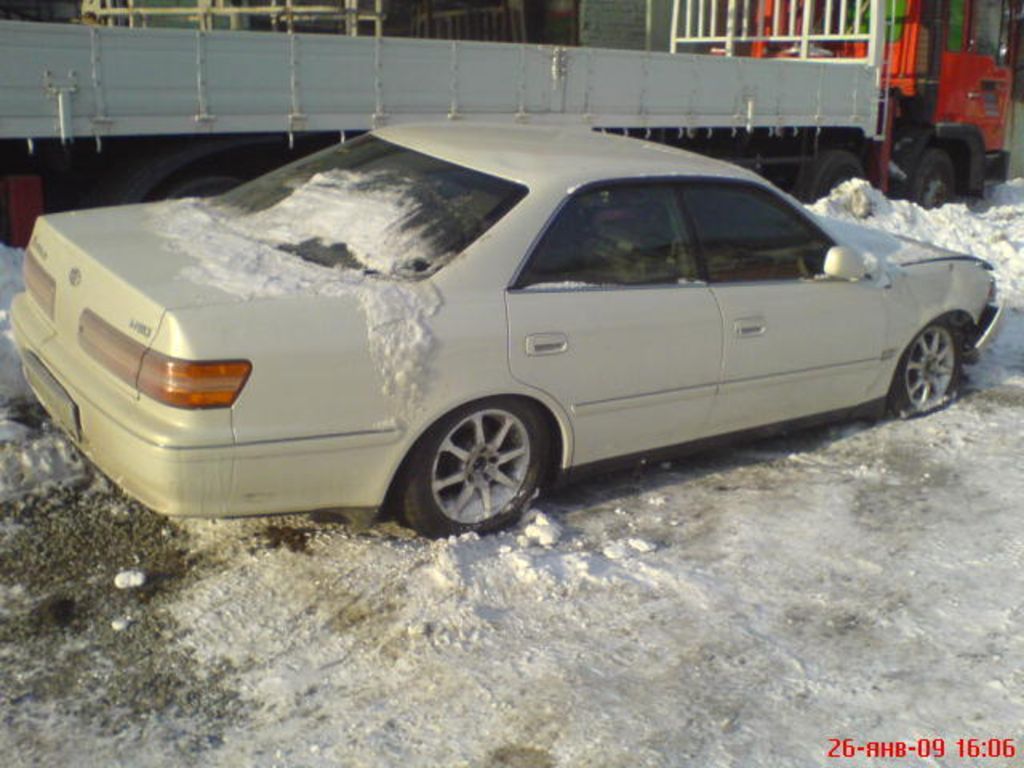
(738, 609)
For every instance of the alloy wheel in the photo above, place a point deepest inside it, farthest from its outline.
(481, 466)
(930, 368)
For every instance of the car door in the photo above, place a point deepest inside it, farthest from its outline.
(795, 343)
(609, 317)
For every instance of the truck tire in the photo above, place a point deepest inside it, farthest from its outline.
(933, 180)
(828, 169)
(204, 185)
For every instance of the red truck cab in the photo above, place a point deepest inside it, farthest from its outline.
(950, 80)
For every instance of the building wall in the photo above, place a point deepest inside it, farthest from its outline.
(1015, 139)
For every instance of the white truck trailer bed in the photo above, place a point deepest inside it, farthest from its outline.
(71, 81)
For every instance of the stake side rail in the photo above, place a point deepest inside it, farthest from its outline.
(73, 82)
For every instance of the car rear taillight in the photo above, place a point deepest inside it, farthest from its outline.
(180, 383)
(191, 384)
(39, 284)
(118, 353)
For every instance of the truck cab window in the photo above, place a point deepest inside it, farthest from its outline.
(988, 28)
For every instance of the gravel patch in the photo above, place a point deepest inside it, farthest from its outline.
(75, 645)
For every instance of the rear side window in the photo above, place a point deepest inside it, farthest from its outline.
(746, 234)
(619, 235)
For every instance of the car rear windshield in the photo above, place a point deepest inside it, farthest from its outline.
(372, 205)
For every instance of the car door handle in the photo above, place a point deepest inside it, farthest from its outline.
(538, 344)
(749, 327)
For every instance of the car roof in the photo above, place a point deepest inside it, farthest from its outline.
(566, 157)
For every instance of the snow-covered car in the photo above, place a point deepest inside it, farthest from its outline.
(442, 319)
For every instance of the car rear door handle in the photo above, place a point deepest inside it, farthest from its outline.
(538, 344)
(748, 327)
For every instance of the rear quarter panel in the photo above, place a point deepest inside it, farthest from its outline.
(312, 372)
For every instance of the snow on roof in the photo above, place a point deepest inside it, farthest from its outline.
(563, 157)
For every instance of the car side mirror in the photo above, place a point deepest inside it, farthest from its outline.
(844, 263)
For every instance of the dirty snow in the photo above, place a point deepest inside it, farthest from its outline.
(738, 609)
(29, 460)
(240, 255)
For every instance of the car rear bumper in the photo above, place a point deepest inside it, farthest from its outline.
(172, 474)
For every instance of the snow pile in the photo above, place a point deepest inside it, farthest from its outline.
(993, 230)
(241, 256)
(477, 623)
(12, 383)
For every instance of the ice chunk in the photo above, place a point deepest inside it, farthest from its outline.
(131, 579)
(542, 530)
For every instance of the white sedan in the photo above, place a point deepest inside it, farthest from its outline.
(440, 320)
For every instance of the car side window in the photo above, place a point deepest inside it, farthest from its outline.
(745, 234)
(619, 235)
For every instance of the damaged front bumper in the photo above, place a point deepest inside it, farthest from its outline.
(989, 324)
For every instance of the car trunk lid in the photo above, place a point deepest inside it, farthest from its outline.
(108, 262)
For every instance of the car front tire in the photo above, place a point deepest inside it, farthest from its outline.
(476, 469)
(929, 373)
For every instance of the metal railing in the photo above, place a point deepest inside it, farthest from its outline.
(805, 29)
(351, 15)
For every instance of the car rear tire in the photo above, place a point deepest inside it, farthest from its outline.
(929, 373)
(476, 469)
(933, 181)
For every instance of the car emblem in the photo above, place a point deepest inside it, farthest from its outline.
(75, 276)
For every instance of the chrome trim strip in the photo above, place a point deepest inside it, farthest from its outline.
(643, 400)
(773, 377)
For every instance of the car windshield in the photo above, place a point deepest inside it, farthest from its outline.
(372, 205)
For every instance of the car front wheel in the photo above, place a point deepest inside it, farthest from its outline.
(476, 469)
(930, 372)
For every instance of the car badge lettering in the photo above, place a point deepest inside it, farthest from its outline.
(75, 276)
(141, 328)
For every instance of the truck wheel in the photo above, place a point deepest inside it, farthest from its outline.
(933, 180)
(828, 169)
(930, 372)
(476, 469)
